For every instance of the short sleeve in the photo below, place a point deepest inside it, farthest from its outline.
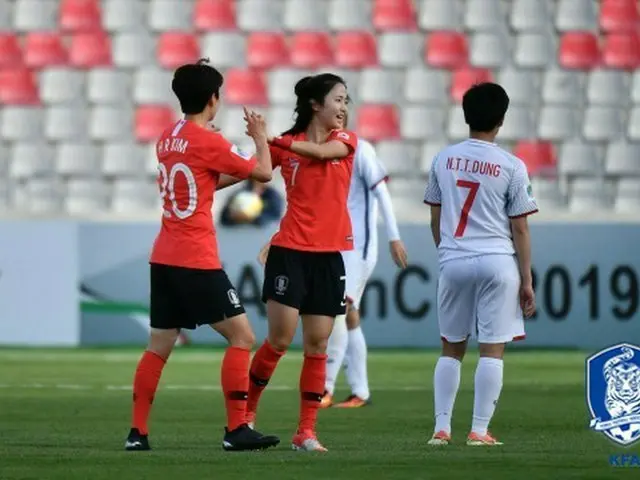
(433, 195)
(369, 166)
(520, 199)
(348, 138)
(227, 158)
(276, 156)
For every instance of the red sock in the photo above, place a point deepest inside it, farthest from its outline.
(145, 384)
(235, 385)
(264, 363)
(312, 378)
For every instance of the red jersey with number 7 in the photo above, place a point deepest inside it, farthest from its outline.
(190, 161)
(317, 218)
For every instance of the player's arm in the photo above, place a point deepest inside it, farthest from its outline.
(340, 144)
(227, 181)
(522, 245)
(433, 197)
(435, 223)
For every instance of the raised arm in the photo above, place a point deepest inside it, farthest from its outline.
(339, 145)
(257, 130)
(227, 181)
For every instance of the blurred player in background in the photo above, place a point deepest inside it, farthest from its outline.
(480, 198)
(188, 285)
(368, 190)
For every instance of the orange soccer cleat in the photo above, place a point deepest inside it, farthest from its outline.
(306, 441)
(475, 440)
(353, 401)
(327, 400)
(440, 438)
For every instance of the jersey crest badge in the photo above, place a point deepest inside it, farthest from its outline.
(281, 283)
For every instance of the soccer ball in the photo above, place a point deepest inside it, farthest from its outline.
(248, 203)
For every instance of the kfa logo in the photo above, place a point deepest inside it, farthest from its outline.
(281, 284)
(613, 392)
(233, 297)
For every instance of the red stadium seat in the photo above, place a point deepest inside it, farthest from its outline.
(177, 48)
(10, 52)
(151, 120)
(622, 50)
(267, 50)
(311, 50)
(214, 15)
(465, 78)
(619, 16)
(42, 49)
(90, 50)
(579, 51)
(80, 15)
(446, 50)
(245, 87)
(356, 50)
(378, 122)
(18, 87)
(539, 157)
(394, 15)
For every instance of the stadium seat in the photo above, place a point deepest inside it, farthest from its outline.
(484, 15)
(557, 123)
(85, 196)
(65, 122)
(622, 50)
(534, 50)
(538, 156)
(588, 195)
(245, 87)
(379, 85)
(575, 16)
(80, 16)
(465, 78)
(354, 15)
(520, 86)
(422, 122)
(177, 48)
(628, 196)
(608, 88)
(258, 15)
(311, 50)
(151, 120)
(561, 87)
(440, 15)
(519, 123)
(547, 193)
(356, 50)
(305, 15)
(622, 158)
(76, 159)
(398, 157)
(400, 49)
(111, 122)
(214, 15)
(35, 15)
(6, 8)
(279, 119)
(39, 195)
(123, 159)
(131, 195)
(267, 50)
(124, 15)
(30, 159)
(633, 129)
(170, 15)
(579, 159)
(90, 50)
(18, 87)
(61, 85)
(152, 85)
(446, 50)
(457, 128)
(579, 50)
(281, 85)
(635, 87)
(619, 15)
(108, 86)
(425, 85)
(394, 15)
(20, 123)
(428, 152)
(530, 15)
(10, 52)
(225, 49)
(232, 124)
(489, 50)
(44, 49)
(602, 123)
(378, 122)
(133, 49)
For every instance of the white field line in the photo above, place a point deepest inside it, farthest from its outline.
(78, 357)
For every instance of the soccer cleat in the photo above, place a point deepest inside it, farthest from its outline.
(136, 442)
(251, 420)
(475, 440)
(327, 400)
(353, 401)
(440, 438)
(244, 438)
(306, 441)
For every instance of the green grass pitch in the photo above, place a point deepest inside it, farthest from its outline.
(64, 415)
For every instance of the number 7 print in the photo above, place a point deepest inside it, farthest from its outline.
(468, 203)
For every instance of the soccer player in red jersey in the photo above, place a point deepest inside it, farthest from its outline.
(188, 285)
(304, 271)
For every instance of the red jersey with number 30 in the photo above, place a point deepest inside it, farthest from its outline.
(317, 218)
(190, 160)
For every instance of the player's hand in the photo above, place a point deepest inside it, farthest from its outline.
(399, 253)
(527, 300)
(256, 125)
(264, 253)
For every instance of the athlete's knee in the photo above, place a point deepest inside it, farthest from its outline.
(161, 342)
(455, 350)
(492, 350)
(242, 338)
(316, 345)
(280, 343)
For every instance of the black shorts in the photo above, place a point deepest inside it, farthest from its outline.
(188, 297)
(312, 282)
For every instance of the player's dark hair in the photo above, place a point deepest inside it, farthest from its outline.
(485, 106)
(308, 89)
(194, 84)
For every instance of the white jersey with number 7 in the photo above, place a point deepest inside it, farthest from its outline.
(480, 187)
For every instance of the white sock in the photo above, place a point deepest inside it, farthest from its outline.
(336, 349)
(357, 364)
(446, 381)
(488, 384)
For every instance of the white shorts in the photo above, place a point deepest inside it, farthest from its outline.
(480, 295)
(358, 270)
